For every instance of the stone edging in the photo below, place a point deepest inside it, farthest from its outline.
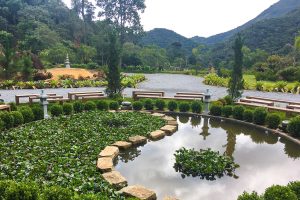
(109, 153)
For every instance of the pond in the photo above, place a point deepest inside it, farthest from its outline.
(264, 159)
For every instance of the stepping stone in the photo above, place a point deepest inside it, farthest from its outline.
(158, 114)
(115, 179)
(168, 118)
(122, 144)
(105, 164)
(157, 134)
(139, 192)
(170, 198)
(137, 140)
(169, 129)
(109, 151)
(145, 112)
(173, 123)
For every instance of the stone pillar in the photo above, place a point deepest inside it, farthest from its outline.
(207, 99)
(44, 103)
(67, 63)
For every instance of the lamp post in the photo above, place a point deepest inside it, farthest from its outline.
(44, 103)
(207, 99)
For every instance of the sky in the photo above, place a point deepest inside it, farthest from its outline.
(200, 17)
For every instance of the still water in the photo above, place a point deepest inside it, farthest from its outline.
(264, 160)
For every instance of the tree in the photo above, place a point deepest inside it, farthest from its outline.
(7, 54)
(236, 82)
(113, 74)
(27, 68)
(124, 14)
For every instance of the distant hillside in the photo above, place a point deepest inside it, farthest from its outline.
(164, 37)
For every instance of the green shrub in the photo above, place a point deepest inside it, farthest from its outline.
(294, 127)
(4, 184)
(160, 104)
(227, 111)
(1, 124)
(295, 187)
(89, 106)
(56, 110)
(172, 105)
(21, 191)
(247, 196)
(8, 119)
(27, 113)
(273, 121)
(114, 105)
(237, 112)
(259, 116)
(277, 192)
(57, 193)
(137, 105)
(68, 108)
(102, 105)
(148, 104)
(38, 113)
(78, 107)
(13, 106)
(18, 118)
(248, 116)
(228, 99)
(184, 107)
(196, 107)
(216, 110)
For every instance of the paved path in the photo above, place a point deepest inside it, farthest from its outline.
(170, 83)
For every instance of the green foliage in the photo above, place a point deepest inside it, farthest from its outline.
(56, 110)
(114, 105)
(295, 187)
(18, 118)
(273, 121)
(294, 127)
(1, 124)
(206, 164)
(68, 108)
(184, 107)
(8, 119)
(57, 193)
(148, 104)
(228, 99)
(19, 191)
(172, 105)
(38, 112)
(27, 114)
(237, 112)
(247, 196)
(102, 105)
(13, 106)
(196, 107)
(214, 79)
(137, 105)
(227, 111)
(78, 106)
(259, 116)
(160, 104)
(90, 105)
(277, 192)
(248, 116)
(216, 110)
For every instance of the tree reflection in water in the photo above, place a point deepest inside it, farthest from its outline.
(129, 154)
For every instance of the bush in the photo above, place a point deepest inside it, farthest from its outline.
(89, 106)
(248, 116)
(102, 105)
(196, 107)
(294, 127)
(13, 106)
(148, 104)
(1, 125)
(56, 110)
(259, 116)
(273, 121)
(27, 114)
(277, 192)
(78, 107)
(38, 113)
(216, 110)
(114, 105)
(172, 105)
(57, 193)
(18, 118)
(237, 112)
(247, 196)
(160, 104)
(295, 187)
(68, 108)
(137, 105)
(227, 111)
(8, 119)
(184, 107)
(20, 191)
(228, 99)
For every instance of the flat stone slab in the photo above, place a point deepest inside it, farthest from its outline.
(137, 140)
(170, 198)
(168, 118)
(122, 144)
(145, 112)
(115, 179)
(109, 151)
(105, 164)
(157, 134)
(169, 129)
(173, 123)
(158, 114)
(139, 192)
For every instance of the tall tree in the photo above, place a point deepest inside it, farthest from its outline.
(236, 81)
(7, 54)
(124, 14)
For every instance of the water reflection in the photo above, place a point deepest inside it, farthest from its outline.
(264, 160)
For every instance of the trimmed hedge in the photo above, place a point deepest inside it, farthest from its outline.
(114, 105)
(294, 127)
(273, 121)
(78, 107)
(27, 114)
(137, 105)
(38, 113)
(216, 110)
(295, 187)
(277, 192)
(227, 111)
(160, 104)
(237, 112)
(196, 107)
(148, 104)
(18, 118)
(102, 105)
(184, 107)
(172, 105)
(89, 106)
(247, 196)
(68, 108)
(8, 119)
(1, 125)
(56, 110)
(248, 116)
(259, 116)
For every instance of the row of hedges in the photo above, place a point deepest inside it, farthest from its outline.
(258, 116)
(275, 192)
